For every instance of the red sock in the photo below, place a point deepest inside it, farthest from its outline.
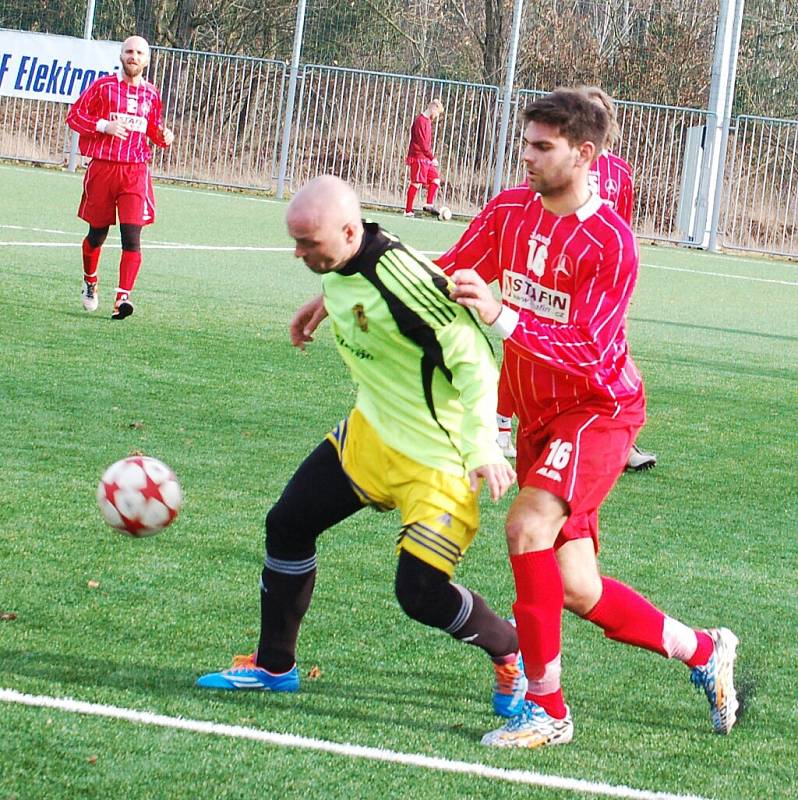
(628, 617)
(128, 270)
(703, 650)
(91, 257)
(504, 407)
(432, 190)
(538, 617)
(412, 191)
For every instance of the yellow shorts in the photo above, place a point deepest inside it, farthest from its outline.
(440, 513)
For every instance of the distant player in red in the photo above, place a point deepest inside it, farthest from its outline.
(117, 117)
(423, 164)
(567, 264)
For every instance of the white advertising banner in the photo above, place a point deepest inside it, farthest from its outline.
(40, 66)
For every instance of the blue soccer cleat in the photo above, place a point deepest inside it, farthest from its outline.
(245, 675)
(716, 678)
(509, 687)
(532, 727)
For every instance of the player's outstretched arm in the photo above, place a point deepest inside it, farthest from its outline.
(499, 477)
(306, 320)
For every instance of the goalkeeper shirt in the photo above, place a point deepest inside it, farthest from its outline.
(425, 373)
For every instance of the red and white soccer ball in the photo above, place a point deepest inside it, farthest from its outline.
(445, 213)
(139, 496)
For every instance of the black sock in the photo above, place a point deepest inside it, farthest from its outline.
(284, 599)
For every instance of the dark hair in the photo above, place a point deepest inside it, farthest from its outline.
(573, 114)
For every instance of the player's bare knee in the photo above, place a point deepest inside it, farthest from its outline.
(526, 533)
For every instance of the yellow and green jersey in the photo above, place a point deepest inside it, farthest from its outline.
(425, 372)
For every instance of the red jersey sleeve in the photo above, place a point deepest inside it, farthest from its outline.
(626, 200)
(86, 111)
(583, 346)
(155, 123)
(477, 247)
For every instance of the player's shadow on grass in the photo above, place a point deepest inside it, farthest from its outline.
(383, 698)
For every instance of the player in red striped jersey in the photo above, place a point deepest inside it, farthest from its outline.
(567, 264)
(117, 117)
(420, 158)
(610, 177)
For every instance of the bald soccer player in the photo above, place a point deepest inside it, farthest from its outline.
(117, 117)
(421, 438)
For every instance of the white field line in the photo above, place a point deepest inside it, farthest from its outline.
(252, 249)
(222, 193)
(347, 750)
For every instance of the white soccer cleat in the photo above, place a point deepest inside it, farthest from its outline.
(532, 727)
(639, 460)
(90, 296)
(505, 441)
(716, 678)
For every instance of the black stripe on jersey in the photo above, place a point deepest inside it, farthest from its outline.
(418, 330)
(376, 246)
(433, 296)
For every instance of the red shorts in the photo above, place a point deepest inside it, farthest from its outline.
(112, 185)
(578, 457)
(423, 171)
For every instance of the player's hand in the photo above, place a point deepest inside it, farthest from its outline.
(470, 290)
(168, 136)
(305, 321)
(434, 162)
(499, 477)
(116, 128)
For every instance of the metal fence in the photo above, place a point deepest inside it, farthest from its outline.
(760, 209)
(228, 114)
(356, 124)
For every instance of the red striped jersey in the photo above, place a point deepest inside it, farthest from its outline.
(111, 98)
(568, 281)
(610, 178)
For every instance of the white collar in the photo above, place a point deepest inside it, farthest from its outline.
(589, 207)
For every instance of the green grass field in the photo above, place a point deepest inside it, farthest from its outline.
(203, 377)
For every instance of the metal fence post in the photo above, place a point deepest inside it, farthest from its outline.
(88, 27)
(717, 108)
(737, 25)
(498, 175)
(289, 103)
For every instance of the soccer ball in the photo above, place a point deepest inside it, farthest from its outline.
(445, 213)
(139, 496)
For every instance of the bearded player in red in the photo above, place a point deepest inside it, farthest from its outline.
(567, 263)
(117, 117)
